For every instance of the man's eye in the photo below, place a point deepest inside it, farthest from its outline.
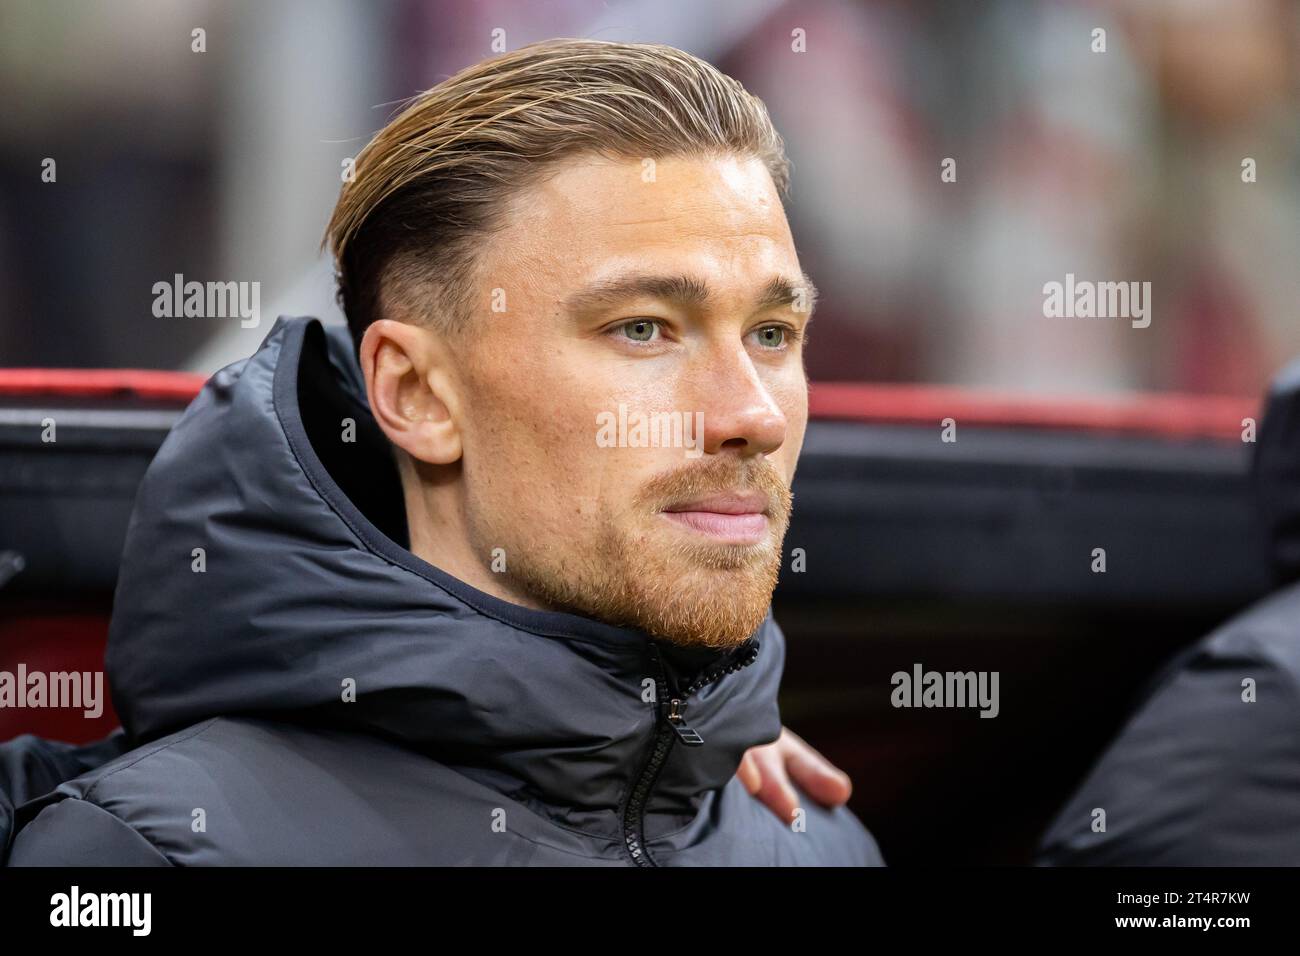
(640, 330)
(772, 336)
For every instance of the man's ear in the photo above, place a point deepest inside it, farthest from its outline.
(411, 390)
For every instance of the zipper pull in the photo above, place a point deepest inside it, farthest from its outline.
(677, 719)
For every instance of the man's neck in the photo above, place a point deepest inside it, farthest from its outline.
(438, 534)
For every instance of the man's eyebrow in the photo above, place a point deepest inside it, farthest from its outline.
(680, 289)
(782, 291)
(686, 290)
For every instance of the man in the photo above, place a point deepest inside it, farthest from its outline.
(488, 581)
(1206, 771)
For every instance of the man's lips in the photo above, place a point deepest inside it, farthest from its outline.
(730, 517)
(724, 503)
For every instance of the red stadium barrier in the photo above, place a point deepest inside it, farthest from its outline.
(1163, 415)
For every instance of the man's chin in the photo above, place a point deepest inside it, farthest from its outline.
(721, 636)
(676, 586)
(716, 605)
(698, 606)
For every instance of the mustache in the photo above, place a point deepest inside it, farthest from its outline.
(717, 476)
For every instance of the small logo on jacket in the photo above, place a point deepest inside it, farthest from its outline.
(75, 908)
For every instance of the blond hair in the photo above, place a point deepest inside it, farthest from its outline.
(431, 184)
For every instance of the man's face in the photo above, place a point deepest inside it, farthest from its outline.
(632, 302)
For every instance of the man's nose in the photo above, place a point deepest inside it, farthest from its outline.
(739, 410)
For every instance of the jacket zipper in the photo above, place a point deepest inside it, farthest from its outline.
(670, 725)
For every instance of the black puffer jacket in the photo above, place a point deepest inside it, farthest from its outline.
(1201, 775)
(480, 733)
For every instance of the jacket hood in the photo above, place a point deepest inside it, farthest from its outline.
(265, 572)
(1276, 473)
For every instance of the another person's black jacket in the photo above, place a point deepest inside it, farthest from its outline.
(1199, 776)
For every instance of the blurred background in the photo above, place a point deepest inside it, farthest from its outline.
(1123, 165)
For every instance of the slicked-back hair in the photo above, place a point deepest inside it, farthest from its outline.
(432, 185)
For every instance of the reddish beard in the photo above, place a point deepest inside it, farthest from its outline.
(640, 573)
